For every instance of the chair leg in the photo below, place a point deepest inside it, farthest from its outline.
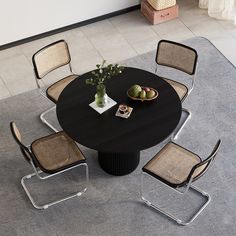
(45, 121)
(45, 206)
(177, 132)
(168, 214)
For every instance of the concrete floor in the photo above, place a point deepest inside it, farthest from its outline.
(115, 39)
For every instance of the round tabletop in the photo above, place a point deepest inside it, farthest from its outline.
(149, 123)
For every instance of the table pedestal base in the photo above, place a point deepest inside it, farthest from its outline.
(118, 163)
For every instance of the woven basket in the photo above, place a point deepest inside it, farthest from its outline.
(161, 4)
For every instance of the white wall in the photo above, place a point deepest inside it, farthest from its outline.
(20, 19)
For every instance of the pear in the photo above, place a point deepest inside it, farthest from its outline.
(142, 94)
(151, 94)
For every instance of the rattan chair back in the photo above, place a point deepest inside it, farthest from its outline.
(51, 57)
(176, 55)
(199, 169)
(17, 136)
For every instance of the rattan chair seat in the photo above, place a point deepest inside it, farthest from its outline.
(56, 152)
(173, 164)
(53, 92)
(180, 89)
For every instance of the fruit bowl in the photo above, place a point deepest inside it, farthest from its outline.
(143, 99)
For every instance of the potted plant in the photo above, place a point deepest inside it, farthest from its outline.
(99, 76)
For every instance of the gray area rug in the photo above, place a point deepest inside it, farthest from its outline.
(111, 205)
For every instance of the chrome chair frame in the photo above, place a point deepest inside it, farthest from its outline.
(37, 172)
(43, 92)
(184, 110)
(44, 113)
(189, 186)
(193, 77)
(177, 131)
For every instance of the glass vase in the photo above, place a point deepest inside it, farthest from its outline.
(101, 96)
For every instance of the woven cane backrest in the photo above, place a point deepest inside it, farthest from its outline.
(16, 132)
(201, 168)
(50, 58)
(17, 136)
(178, 56)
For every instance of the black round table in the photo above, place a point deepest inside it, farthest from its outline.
(118, 140)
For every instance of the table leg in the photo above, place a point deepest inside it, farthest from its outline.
(118, 163)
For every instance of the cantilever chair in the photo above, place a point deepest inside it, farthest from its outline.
(182, 58)
(49, 156)
(176, 167)
(46, 60)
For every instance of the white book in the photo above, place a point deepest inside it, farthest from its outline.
(110, 103)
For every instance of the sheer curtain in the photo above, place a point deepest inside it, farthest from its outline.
(220, 9)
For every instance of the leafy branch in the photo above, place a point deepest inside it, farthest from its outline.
(103, 73)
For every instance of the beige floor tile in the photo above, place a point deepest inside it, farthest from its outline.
(140, 35)
(118, 55)
(142, 40)
(188, 4)
(137, 31)
(209, 29)
(146, 46)
(229, 26)
(173, 30)
(193, 16)
(66, 35)
(113, 47)
(10, 52)
(108, 42)
(130, 22)
(17, 74)
(81, 41)
(129, 17)
(75, 39)
(4, 92)
(102, 27)
(86, 61)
